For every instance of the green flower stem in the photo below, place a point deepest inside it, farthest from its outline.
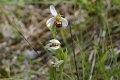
(61, 56)
(61, 73)
(53, 73)
(53, 30)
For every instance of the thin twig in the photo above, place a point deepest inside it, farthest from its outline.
(10, 22)
(74, 55)
(93, 65)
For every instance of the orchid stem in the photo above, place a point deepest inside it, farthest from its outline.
(61, 73)
(53, 30)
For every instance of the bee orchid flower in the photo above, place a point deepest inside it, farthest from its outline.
(57, 20)
(55, 62)
(53, 45)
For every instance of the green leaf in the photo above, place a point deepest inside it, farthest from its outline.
(103, 59)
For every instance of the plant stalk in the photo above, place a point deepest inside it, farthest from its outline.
(75, 62)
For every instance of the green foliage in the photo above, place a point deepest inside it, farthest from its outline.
(100, 21)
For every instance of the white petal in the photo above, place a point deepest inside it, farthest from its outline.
(54, 48)
(50, 22)
(50, 48)
(54, 41)
(64, 22)
(53, 11)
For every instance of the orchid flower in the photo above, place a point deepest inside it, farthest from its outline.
(53, 45)
(55, 62)
(57, 19)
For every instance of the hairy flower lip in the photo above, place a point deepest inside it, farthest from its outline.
(50, 22)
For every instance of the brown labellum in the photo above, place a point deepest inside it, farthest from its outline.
(58, 23)
(54, 44)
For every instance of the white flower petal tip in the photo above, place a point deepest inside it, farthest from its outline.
(53, 10)
(50, 21)
(64, 22)
(53, 45)
(54, 41)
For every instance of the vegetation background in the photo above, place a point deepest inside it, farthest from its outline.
(95, 33)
